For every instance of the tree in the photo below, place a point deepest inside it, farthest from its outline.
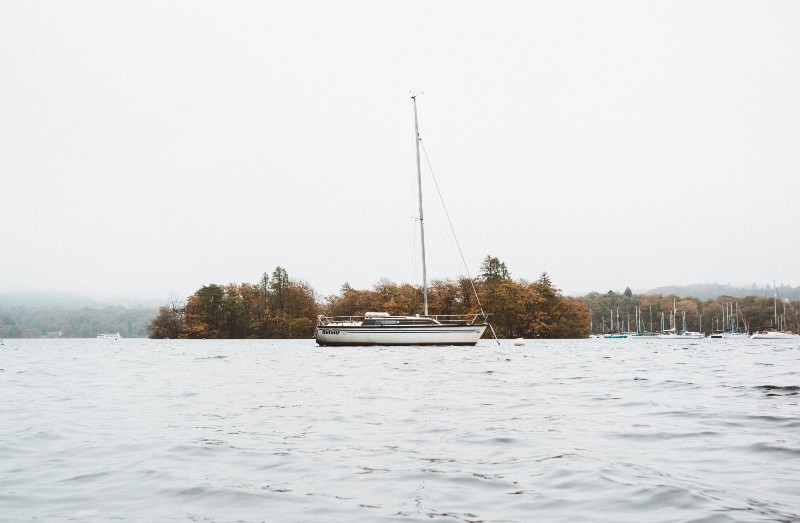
(502, 299)
(168, 323)
(493, 270)
(278, 284)
(444, 297)
(203, 318)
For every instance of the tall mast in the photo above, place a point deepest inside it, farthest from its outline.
(674, 322)
(775, 302)
(421, 224)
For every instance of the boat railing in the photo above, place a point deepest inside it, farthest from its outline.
(450, 319)
(327, 320)
(469, 319)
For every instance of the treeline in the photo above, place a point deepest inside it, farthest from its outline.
(282, 307)
(275, 307)
(750, 312)
(48, 322)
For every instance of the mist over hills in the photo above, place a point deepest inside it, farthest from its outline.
(709, 291)
(66, 315)
(66, 300)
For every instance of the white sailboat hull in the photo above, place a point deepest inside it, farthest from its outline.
(773, 336)
(411, 335)
(687, 336)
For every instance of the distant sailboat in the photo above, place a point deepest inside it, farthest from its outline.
(640, 333)
(673, 334)
(687, 334)
(777, 330)
(619, 334)
(730, 325)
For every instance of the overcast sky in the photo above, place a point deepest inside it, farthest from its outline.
(150, 148)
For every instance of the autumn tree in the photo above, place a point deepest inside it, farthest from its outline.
(203, 319)
(169, 322)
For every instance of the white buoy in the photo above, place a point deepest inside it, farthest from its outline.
(519, 342)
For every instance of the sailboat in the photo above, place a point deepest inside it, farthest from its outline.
(687, 334)
(381, 328)
(640, 333)
(673, 333)
(619, 333)
(730, 325)
(775, 331)
(668, 334)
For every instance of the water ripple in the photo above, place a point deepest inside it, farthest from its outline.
(248, 431)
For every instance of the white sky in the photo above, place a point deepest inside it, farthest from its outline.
(149, 148)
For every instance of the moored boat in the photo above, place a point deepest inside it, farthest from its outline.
(777, 331)
(730, 335)
(381, 328)
(773, 334)
(673, 333)
(670, 334)
(667, 334)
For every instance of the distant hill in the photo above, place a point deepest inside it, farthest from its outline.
(709, 291)
(64, 300)
(65, 315)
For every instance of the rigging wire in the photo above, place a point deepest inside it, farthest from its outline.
(455, 237)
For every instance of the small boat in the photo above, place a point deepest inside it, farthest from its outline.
(775, 331)
(731, 319)
(772, 334)
(519, 342)
(645, 334)
(671, 334)
(692, 335)
(730, 335)
(114, 336)
(621, 333)
(668, 334)
(381, 328)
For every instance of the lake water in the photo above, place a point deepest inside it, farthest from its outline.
(273, 430)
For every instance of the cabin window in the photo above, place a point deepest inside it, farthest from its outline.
(416, 321)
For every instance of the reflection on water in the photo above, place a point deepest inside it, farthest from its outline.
(580, 430)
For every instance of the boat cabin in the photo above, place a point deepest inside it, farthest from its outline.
(383, 318)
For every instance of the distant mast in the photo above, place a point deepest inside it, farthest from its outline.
(421, 225)
(775, 304)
